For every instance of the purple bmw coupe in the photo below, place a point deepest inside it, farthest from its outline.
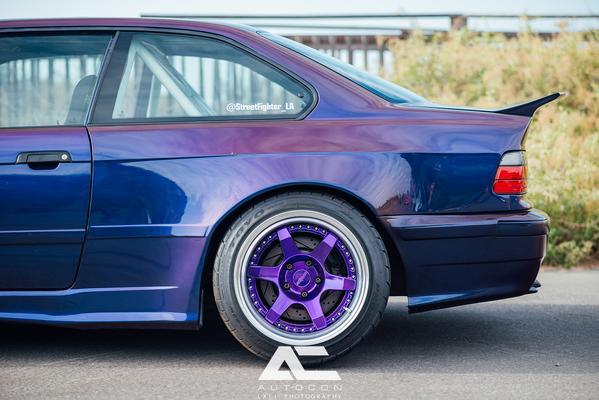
(150, 166)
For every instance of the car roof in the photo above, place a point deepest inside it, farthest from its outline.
(120, 23)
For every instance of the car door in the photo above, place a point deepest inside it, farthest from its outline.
(46, 86)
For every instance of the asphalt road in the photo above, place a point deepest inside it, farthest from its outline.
(543, 346)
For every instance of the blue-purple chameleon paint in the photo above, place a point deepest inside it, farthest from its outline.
(128, 227)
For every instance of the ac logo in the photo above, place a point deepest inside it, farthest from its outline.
(285, 354)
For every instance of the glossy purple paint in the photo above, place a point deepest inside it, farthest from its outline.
(161, 194)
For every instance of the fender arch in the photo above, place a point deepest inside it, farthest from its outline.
(217, 230)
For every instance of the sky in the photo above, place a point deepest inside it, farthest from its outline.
(89, 8)
(17, 9)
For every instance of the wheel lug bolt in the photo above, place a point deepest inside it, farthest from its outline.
(289, 266)
(308, 263)
(318, 279)
(286, 285)
(304, 294)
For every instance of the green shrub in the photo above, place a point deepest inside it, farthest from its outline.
(489, 70)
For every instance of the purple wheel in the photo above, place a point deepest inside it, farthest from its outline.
(301, 269)
(301, 277)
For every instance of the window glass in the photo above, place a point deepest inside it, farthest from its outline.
(172, 76)
(379, 86)
(48, 80)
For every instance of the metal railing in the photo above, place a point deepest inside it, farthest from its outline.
(365, 45)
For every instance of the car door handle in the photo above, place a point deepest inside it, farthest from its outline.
(44, 159)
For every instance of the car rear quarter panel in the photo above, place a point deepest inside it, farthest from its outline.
(201, 171)
(180, 180)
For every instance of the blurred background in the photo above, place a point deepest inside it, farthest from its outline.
(463, 52)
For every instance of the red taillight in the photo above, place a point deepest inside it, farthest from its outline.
(511, 174)
(510, 186)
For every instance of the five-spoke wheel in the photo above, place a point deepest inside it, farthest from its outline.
(301, 269)
(302, 280)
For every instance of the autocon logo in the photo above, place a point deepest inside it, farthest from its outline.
(286, 355)
(295, 386)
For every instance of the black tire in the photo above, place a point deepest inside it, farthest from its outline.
(375, 297)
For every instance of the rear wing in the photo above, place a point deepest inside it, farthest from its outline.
(528, 109)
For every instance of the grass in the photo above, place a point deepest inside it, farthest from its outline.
(489, 70)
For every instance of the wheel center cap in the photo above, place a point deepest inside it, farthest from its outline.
(301, 278)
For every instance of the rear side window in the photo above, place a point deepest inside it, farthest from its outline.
(48, 80)
(174, 77)
(374, 84)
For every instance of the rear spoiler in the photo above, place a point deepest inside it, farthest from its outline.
(528, 109)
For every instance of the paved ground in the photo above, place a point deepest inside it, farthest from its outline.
(543, 346)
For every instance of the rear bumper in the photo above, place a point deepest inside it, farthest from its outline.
(451, 260)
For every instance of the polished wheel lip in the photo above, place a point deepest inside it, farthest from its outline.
(333, 225)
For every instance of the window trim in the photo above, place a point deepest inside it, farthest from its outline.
(72, 31)
(103, 104)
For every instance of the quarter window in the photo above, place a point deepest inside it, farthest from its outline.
(48, 80)
(170, 76)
